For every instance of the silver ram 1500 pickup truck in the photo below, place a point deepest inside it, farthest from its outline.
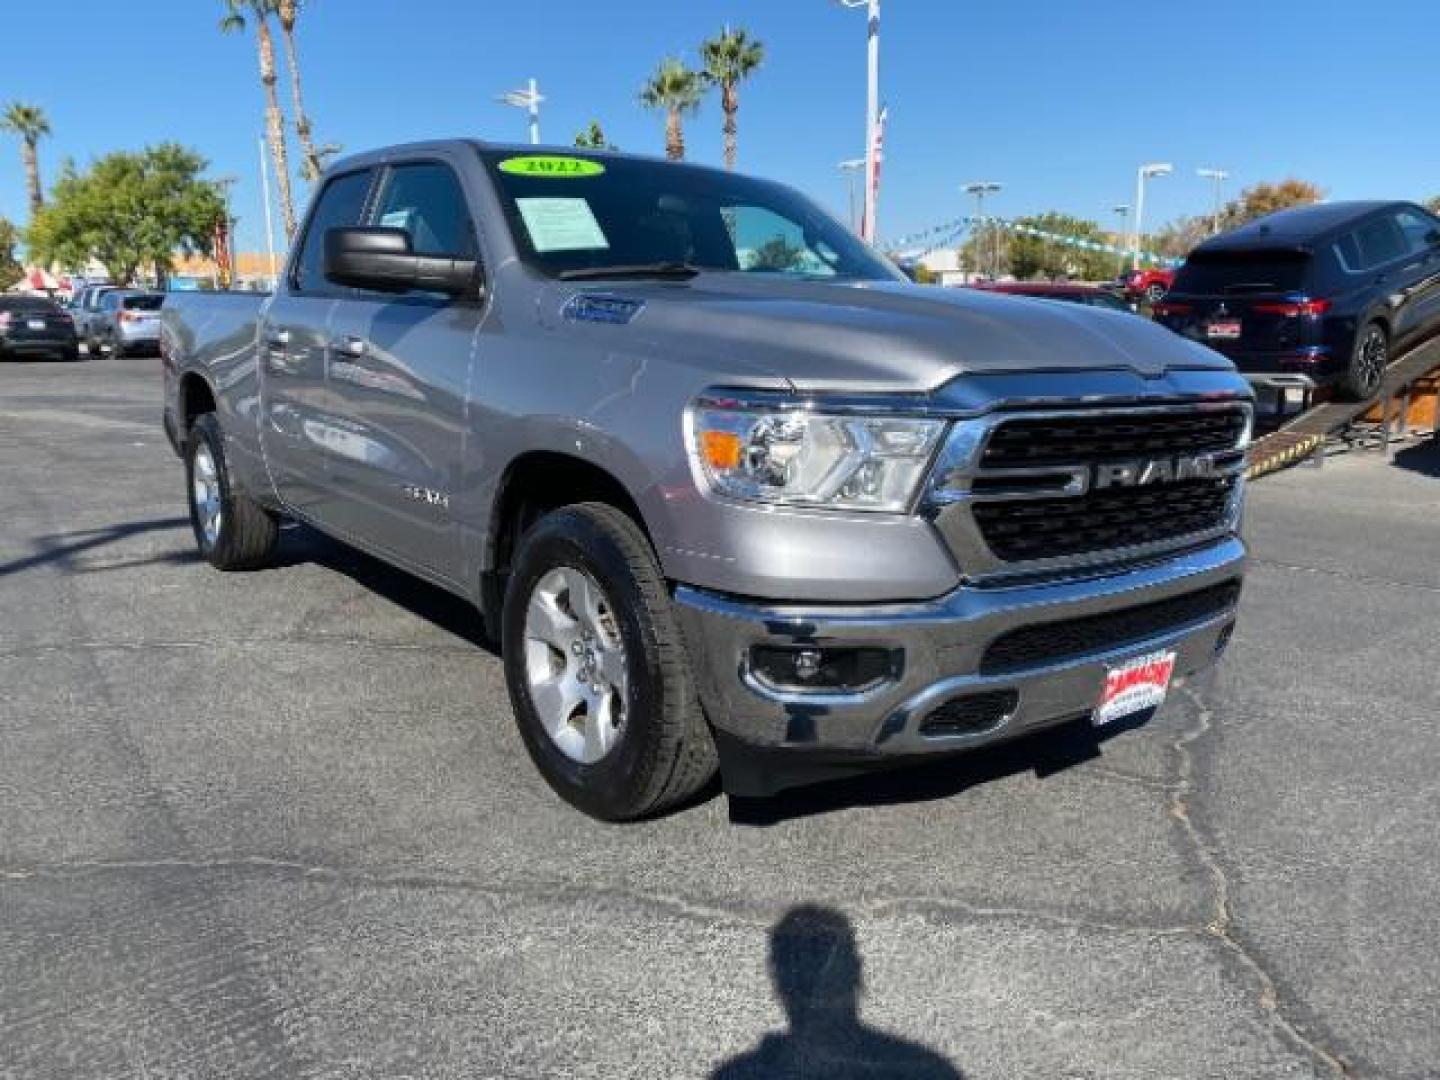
(727, 489)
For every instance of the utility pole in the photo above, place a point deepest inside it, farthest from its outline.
(851, 166)
(528, 99)
(1145, 172)
(980, 189)
(868, 231)
(1219, 176)
(1122, 211)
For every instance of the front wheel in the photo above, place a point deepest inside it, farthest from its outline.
(598, 674)
(232, 531)
(1368, 360)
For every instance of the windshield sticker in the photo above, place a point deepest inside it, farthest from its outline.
(551, 166)
(562, 225)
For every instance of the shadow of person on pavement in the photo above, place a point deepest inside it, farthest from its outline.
(817, 974)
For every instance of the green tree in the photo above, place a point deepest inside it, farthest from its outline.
(1042, 257)
(987, 251)
(730, 57)
(676, 91)
(1176, 239)
(10, 269)
(1266, 198)
(31, 125)
(593, 138)
(130, 211)
(239, 14)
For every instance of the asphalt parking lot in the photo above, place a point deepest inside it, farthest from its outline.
(280, 824)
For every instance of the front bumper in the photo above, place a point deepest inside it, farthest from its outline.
(943, 644)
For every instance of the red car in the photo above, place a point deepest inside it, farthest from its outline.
(1147, 283)
(1089, 295)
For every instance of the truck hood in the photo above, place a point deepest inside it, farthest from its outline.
(882, 336)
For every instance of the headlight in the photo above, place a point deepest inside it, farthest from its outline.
(802, 458)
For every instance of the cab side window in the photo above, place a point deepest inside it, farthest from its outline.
(341, 204)
(426, 200)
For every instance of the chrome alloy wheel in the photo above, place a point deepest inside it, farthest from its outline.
(205, 492)
(575, 664)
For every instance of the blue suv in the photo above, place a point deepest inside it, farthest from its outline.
(1318, 295)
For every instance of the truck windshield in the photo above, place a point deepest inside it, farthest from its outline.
(570, 212)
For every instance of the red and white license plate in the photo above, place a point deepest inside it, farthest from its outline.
(1224, 328)
(1135, 686)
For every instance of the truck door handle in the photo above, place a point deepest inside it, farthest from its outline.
(350, 345)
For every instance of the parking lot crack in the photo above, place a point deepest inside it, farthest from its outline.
(1222, 924)
(1344, 575)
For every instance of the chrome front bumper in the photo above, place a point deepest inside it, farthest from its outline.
(943, 643)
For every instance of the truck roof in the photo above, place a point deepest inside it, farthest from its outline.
(381, 154)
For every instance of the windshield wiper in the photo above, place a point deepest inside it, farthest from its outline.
(670, 271)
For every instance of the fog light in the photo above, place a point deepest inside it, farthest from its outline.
(829, 669)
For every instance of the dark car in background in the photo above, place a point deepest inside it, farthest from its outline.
(33, 325)
(1318, 295)
(1089, 295)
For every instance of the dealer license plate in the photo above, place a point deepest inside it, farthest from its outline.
(1136, 686)
(1228, 329)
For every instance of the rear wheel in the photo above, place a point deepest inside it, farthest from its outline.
(232, 531)
(1154, 293)
(1368, 360)
(597, 671)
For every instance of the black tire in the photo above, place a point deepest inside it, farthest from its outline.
(1368, 359)
(72, 355)
(1155, 293)
(664, 753)
(246, 533)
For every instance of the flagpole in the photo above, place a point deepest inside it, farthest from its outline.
(269, 215)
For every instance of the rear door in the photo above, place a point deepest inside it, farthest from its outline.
(1418, 279)
(298, 425)
(399, 371)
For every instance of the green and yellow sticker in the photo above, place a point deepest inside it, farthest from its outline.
(551, 166)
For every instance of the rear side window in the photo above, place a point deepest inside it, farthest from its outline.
(342, 203)
(1380, 241)
(425, 199)
(142, 303)
(1233, 272)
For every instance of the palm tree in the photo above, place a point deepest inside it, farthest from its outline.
(28, 122)
(730, 57)
(677, 91)
(259, 12)
(313, 163)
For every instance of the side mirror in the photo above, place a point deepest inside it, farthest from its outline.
(383, 260)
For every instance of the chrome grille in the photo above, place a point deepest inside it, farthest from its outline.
(1029, 492)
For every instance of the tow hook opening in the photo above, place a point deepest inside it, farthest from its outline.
(971, 714)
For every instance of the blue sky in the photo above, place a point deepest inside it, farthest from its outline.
(1060, 101)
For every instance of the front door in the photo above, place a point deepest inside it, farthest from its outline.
(297, 426)
(399, 369)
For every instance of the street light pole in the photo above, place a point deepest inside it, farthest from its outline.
(529, 100)
(1219, 176)
(852, 166)
(1145, 172)
(1122, 211)
(872, 110)
(980, 189)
